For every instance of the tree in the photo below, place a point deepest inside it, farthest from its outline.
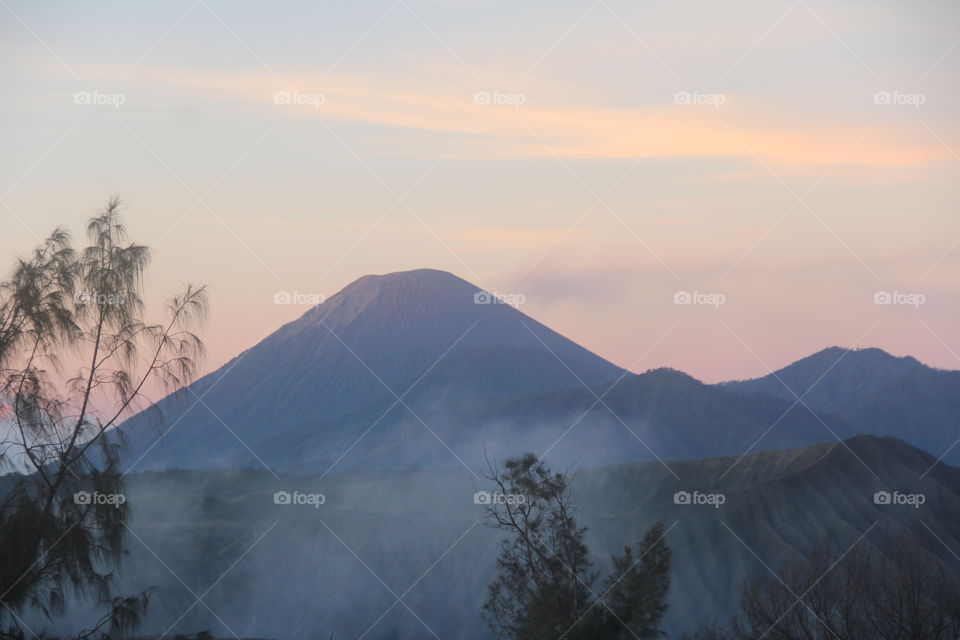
(545, 578)
(63, 513)
(636, 591)
(897, 593)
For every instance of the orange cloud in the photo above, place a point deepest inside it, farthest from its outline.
(540, 124)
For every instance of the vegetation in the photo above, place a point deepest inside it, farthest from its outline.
(544, 587)
(902, 595)
(63, 512)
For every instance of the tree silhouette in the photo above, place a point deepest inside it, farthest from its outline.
(545, 579)
(63, 512)
(898, 592)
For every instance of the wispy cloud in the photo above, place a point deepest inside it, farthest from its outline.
(546, 121)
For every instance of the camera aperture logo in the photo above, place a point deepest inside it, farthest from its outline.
(98, 299)
(97, 498)
(300, 98)
(696, 498)
(499, 98)
(899, 98)
(899, 499)
(495, 497)
(99, 99)
(714, 100)
(512, 299)
(699, 298)
(298, 297)
(899, 298)
(301, 499)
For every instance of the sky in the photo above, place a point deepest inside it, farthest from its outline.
(721, 188)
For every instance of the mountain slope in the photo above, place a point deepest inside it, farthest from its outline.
(405, 371)
(662, 413)
(834, 375)
(328, 375)
(875, 393)
(298, 571)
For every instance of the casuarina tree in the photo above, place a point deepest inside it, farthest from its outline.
(76, 356)
(546, 586)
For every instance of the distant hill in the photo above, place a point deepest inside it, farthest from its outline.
(476, 378)
(873, 392)
(288, 571)
(661, 413)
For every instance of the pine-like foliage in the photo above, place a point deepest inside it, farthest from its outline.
(75, 357)
(545, 587)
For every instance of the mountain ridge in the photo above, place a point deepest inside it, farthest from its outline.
(873, 391)
(435, 369)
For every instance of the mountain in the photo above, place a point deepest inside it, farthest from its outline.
(291, 571)
(662, 413)
(408, 371)
(874, 392)
(332, 373)
(834, 375)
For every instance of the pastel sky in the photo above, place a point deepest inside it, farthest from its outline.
(597, 157)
